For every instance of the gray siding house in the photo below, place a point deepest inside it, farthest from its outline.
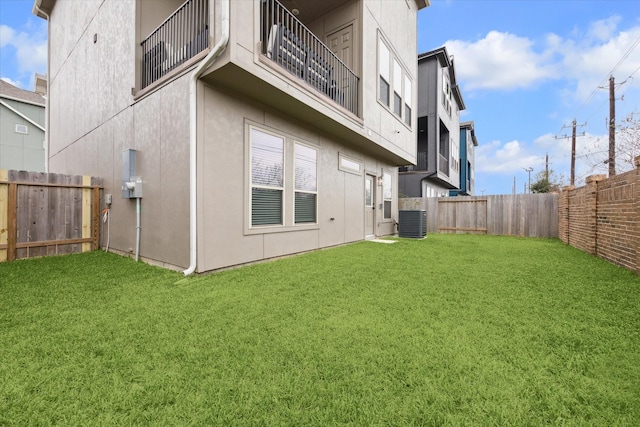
(261, 128)
(437, 167)
(22, 129)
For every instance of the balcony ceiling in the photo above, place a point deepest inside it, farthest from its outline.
(309, 10)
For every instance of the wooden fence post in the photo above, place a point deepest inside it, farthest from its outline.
(12, 221)
(95, 221)
(86, 213)
(4, 213)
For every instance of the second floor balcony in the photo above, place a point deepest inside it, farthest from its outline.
(289, 43)
(180, 37)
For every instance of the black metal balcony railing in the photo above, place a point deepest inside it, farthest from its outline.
(179, 38)
(287, 42)
(421, 163)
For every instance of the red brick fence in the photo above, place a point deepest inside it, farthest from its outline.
(603, 217)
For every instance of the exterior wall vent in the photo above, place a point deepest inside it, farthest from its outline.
(412, 224)
(22, 129)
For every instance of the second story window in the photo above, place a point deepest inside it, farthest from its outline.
(384, 65)
(395, 85)
(397, 88)
(408, 88)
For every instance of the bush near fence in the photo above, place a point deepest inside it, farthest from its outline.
(603, 217)
(47, 214)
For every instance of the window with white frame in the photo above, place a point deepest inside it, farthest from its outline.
(384, 66)
(386, 195)
(408, 88)
(267, 178)
(455, 157)
(306, 188)
(282, 181)
(394, 80)
(397, 88)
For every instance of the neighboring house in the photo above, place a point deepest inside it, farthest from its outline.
(262, 128)
(22, 129)
(437, 169)
(468, 142)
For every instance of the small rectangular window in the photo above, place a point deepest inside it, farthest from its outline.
(348, 165)
(386, 194)
(22, 129)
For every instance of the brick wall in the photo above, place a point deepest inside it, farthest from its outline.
(603, 217)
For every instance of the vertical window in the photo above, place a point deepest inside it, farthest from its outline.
(383, 65)
(267, 180)
(397, 88)
(306, 189)
(407, 100)
(386, 195)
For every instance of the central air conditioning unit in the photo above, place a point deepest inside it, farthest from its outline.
(412, 224)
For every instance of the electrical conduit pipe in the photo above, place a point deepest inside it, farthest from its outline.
(220, 46)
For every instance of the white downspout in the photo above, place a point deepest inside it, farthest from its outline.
(36, 7)
(193, 129)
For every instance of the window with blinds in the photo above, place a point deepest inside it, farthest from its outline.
(305, 210)
(267, 178)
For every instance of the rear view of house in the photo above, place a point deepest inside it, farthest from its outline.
(257, 128)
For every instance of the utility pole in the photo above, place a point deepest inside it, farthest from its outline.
(529, 169)
(612, 126)
(546, 166)
(573, 148)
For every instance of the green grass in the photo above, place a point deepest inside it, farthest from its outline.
(450, 330)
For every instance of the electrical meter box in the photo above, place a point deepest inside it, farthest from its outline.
(131, 183)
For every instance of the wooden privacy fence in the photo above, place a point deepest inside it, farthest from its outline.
(47, 214)
(530, 215)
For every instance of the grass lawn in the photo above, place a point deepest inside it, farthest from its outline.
(450, 330)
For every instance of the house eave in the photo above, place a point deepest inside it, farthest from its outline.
(43, 8)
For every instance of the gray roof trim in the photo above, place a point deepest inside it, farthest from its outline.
(21, 115)
(9, 91)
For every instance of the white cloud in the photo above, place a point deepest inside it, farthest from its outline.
(30, 49)
(604, 28)
(499, 61)
(590, 65)
(504, 61)
(6, 34)
(512, 156)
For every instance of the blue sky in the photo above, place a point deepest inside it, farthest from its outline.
(526, 69)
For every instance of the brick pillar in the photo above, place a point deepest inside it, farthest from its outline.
(563, 213)
(591, 229)
(636, 178)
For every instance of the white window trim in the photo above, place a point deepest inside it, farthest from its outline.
(391, 175)
(344, 164)
(296, 190)
(393, 81)
(19, 127)
(288, 195)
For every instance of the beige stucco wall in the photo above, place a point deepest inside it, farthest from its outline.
(95, 114)
(225, 236)
(94, 117)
